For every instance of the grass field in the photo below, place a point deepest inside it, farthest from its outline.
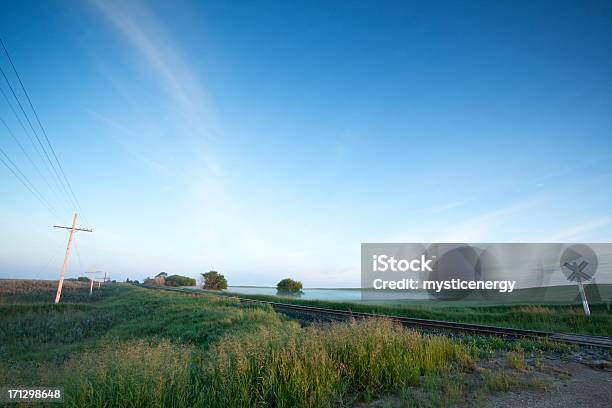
(133, 347)
(553, 317)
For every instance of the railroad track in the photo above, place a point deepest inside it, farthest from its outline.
(318, 313)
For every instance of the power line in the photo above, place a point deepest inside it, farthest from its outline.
(25, 152)
(76, 248)
(60, 185)
(8, 102)
(26, 182)
(41, 127)
(32, 141)
(53, 257)
(56, 192)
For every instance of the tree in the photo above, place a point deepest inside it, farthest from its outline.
(289, 286)
(213, 280)
(83, 279)
(178, 280)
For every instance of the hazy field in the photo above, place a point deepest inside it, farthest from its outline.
(563, 294)
(134, 347)
(537, 309)
(129, 346)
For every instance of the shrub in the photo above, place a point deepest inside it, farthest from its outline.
(213, 280)
(289, 286)
(178, 280)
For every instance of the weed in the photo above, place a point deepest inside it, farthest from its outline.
(516, 360)
(499, 380)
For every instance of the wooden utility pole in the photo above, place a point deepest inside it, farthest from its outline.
(91, 282)
(65, 264)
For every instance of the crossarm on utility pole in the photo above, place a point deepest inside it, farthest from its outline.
(65, 264)
(75, 229)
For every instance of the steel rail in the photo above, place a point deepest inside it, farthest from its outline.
(335, 314)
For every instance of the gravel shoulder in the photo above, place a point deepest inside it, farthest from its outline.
(570, 384)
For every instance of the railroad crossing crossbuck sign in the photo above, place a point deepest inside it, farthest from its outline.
(579, 264)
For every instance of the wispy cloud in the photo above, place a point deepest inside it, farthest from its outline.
(480, 228)
(580, 231)
(563, 171)
(440, 208)
(162, 56)
(142, 30)
(127, 146)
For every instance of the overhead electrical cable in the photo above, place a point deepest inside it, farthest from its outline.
(56, 192)
(57, 176)
(23, 179)
(44, 149)
(27, 133)
(65, 179)
(25, 152)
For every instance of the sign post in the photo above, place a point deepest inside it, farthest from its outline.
(579, 264)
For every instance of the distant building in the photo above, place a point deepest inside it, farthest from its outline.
(159, 279)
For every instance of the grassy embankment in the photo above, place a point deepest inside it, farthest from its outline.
(552, 317)
(134, 347)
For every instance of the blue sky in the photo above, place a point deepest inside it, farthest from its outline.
(269, 139)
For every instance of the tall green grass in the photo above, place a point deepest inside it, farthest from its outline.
(132, 374)
(135, 347)
(316, 366)
(323, 365)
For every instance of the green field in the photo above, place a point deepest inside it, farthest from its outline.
(134, 347)
(550, 315)
(129, 346)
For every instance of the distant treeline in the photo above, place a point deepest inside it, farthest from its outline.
(178, 280)
(172, 280)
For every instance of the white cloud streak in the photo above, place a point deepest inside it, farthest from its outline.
(142, 30)
(162, 56)
(580, 231)
(129, 147)
(480, 228)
